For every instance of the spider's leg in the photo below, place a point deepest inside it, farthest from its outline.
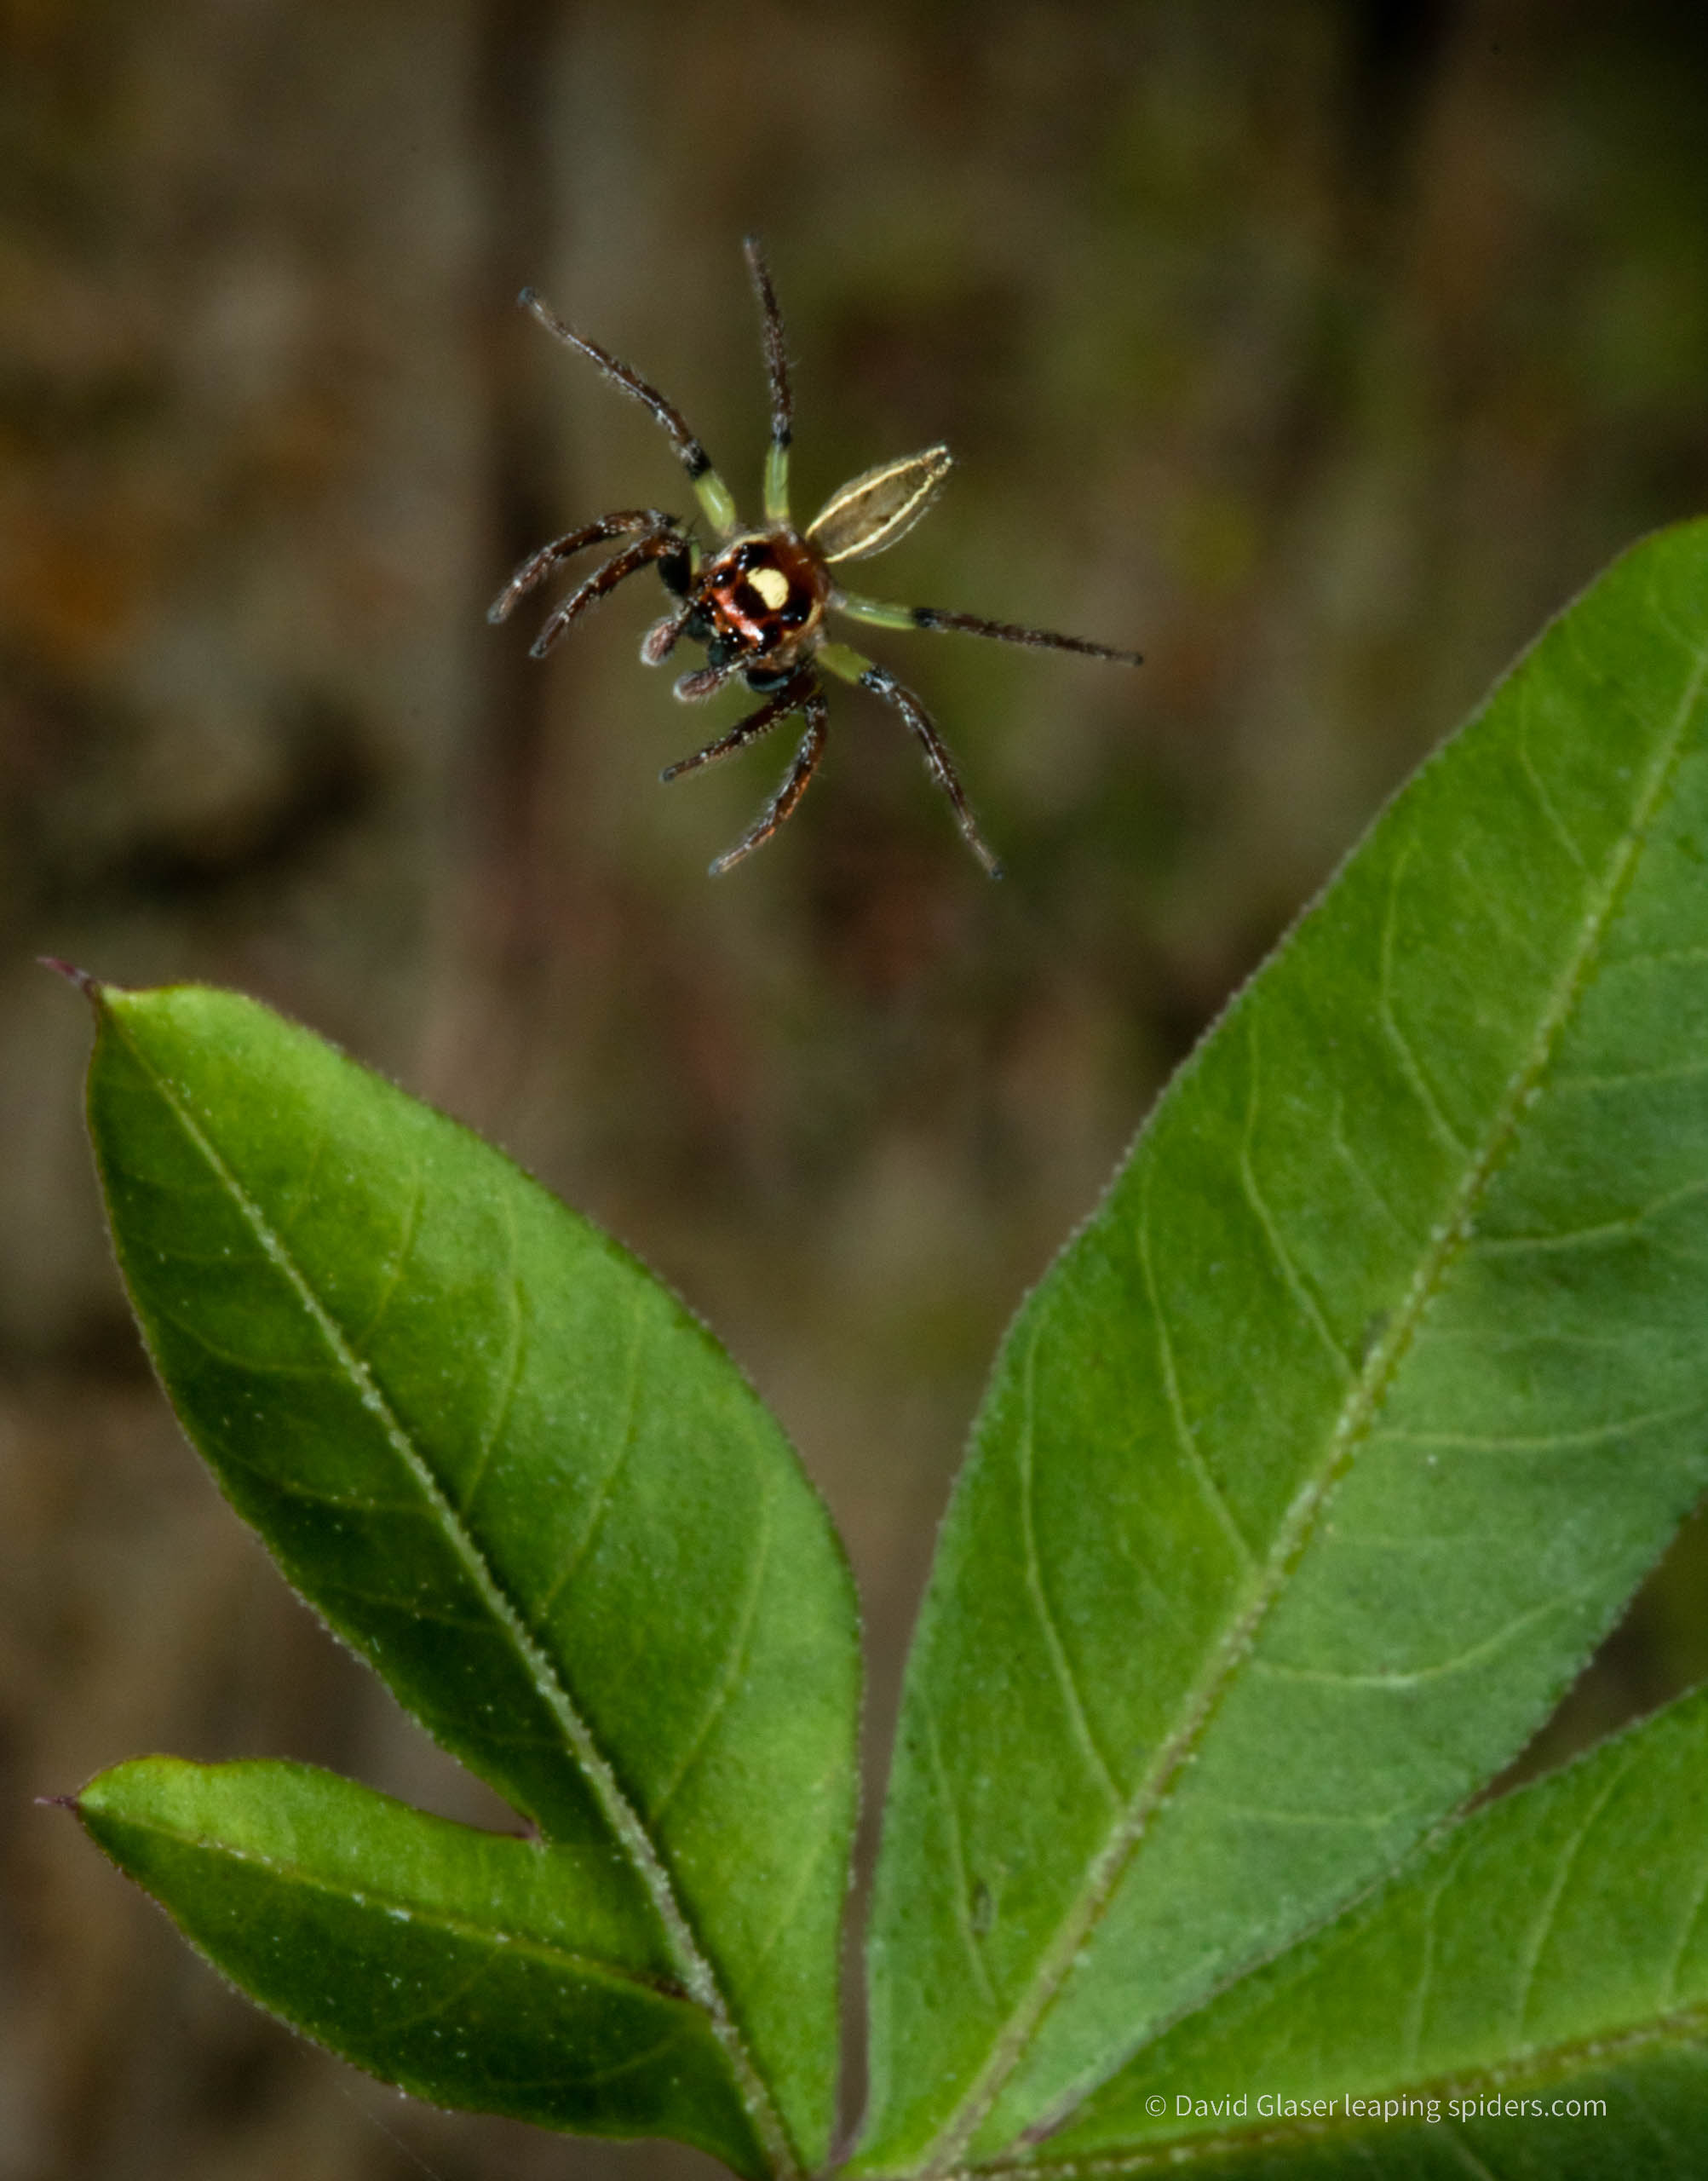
(629, 561)
(790, 698)
(714, 495)
(777, 371)
(886, 616)
(782, 804)
(533, 572)
(865, 674)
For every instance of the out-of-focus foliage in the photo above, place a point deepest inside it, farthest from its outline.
(1319, 351)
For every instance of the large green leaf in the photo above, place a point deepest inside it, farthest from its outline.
(514, 1474)
(1319, 1461)
(483, 1972)
(1551, 1952)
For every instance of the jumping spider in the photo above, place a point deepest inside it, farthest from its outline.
(758, 599)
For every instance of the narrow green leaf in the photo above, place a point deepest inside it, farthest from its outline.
(515, 1475)
(1325, 1453)
(478, 1971)
(1555, 1940)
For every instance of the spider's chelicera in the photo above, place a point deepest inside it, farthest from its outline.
(757, 599)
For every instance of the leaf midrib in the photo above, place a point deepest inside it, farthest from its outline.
(1683, 2026)
(1363, 1401)
(698, 1978)
(511, 1940)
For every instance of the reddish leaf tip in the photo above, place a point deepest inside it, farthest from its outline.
(89, 986)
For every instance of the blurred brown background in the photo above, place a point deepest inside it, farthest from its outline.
(1321, 349)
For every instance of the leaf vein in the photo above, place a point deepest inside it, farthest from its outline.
(727, 1678)
(393, 1276)
(1687, 1930)
(605, 1490)
(1410, 1067)
(1079, 1725)
(1355, 1166)
(1684, 1071)
(958, 1858)
(1530, 1956)
(1416, 2008)
(1417, 1676)
(515, 1353)
(1292, 1278)
(1513, 1442)
(1621, 1228)
(1215, 1497)
(434, 1915)
(1538, 787)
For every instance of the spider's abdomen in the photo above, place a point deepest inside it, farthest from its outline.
(765, 595)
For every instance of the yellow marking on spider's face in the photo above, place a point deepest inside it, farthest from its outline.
(873, 510)
(771, 585)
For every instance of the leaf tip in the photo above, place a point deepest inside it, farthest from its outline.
(89, 986)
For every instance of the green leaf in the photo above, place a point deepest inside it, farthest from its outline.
(515, 1475)
(1323, 1456)
(477, 1971)
(1550, 1949)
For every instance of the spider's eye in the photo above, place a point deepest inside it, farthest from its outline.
(675, 572)
(720, 651)
(698, 626)
(764, 680)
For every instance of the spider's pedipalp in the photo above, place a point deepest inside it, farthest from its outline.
(533, 572)
(663, 637)
(793, 697)
(694, 689)
(605, 578)
(781, 806)
(709, 489)
(876, 509)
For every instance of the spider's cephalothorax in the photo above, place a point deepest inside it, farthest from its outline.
(762, 598)
(757, 600)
